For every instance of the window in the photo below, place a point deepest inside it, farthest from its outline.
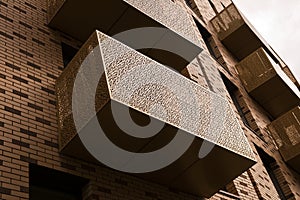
(48, 184)
(192, 5)
(271, 165)
(211, 46)
(68, 53)
(213, 7)
(233, 90)
(206, 36)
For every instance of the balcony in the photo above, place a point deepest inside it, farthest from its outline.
(237, 33)
(266, 82)
(291, 76)
(286, 132)
(80, 19)
(155, 94)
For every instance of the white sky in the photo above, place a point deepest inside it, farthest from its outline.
(279, 23)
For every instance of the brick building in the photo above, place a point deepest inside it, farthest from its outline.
(227, 86)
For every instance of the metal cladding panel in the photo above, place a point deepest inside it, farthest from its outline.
(185, 118)
(139, 82)
(255, 70)
(227, 21)
(238, 34)
(258, 73)
(169, 14)
(286, 132)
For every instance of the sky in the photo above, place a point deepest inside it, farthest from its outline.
(279, 23)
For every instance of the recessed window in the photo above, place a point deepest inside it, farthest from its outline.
(192, 5)
(233, 90)
(271, 167)
(68, 52)
(48, 184)
(211, 45)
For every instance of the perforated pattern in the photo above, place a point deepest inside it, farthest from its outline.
(139, 82)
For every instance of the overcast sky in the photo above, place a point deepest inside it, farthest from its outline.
(279, 23)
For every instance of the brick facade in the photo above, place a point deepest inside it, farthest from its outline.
(30, 62)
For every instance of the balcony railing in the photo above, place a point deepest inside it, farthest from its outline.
(80, 19)
(133, 81)
(227, 21)
(237, 33)
(265, 81)
(286, 132)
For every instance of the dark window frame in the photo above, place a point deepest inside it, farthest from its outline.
(68, 53)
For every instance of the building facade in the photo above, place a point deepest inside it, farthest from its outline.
(227, 99)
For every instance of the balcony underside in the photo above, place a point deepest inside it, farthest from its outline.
(275, 97)
(242, 42)
(80, 19)
(202, 177)
(268, 84)
(295, 161)
(286, 132)
(237, 34)
(146, 88)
